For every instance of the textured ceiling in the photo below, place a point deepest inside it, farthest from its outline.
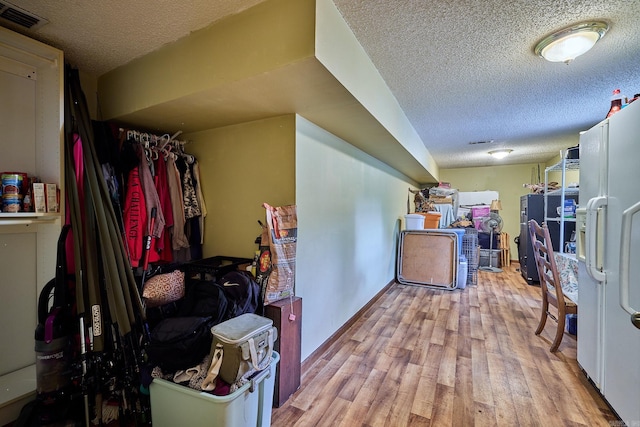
(462, 70)
(98, 36)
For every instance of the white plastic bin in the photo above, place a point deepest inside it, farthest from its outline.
(176, 405)
(414, 222)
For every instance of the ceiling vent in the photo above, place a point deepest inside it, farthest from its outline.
(18, 16)
(489, 141)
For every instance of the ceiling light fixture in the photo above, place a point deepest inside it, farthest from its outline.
(567, 44)
(500, 154)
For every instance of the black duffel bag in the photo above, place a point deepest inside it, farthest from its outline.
(180, 342)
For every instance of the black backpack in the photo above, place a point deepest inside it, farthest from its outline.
(181, 342)
(204, 298)
(242, 293)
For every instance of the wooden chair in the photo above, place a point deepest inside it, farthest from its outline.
(549, 282)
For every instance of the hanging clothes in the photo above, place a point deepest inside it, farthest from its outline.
(189, 195)
(176, 196)
(203, 207)
(163, 243)
(192, 209)
(179, 239)
(135, 217)
(151, 198)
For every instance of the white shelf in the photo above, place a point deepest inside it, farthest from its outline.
(558, 219)
(16, 389)
(19, 218)
(569, 191)
(566, 164)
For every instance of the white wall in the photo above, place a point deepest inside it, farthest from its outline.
(353, 68)
(350, 207)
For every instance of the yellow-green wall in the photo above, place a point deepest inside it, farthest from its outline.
(265, 37)
(243, 166)
(507, 180)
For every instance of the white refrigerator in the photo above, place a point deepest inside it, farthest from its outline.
(609, 251)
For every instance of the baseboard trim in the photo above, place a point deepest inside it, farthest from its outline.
(313, 357)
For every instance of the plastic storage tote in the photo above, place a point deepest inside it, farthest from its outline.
(431, 220)
(250, 406)
(414, 222)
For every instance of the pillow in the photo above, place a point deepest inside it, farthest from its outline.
(163, 288)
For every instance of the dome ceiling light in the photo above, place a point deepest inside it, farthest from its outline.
(567, 44)
(500, 154)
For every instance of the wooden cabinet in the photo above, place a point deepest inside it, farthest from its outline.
(287, 318)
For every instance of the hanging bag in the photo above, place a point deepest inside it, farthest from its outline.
(282, 227)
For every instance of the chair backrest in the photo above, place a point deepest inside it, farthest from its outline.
(545, 261)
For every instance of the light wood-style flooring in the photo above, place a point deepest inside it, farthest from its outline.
(424, 357)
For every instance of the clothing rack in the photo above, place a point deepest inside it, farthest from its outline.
(154, 145)
(169, 179)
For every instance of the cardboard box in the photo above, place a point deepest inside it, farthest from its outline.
(51, 191)
(39, 198)
(442, 200)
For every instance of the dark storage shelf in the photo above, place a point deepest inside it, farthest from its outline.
(216, 267)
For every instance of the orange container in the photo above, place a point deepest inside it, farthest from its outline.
(431, 219)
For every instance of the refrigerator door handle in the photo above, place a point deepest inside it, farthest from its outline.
(591, 235)
(625, 260)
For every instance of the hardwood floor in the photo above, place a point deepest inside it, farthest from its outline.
(424, 357)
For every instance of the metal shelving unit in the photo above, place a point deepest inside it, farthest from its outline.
(562, 166)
